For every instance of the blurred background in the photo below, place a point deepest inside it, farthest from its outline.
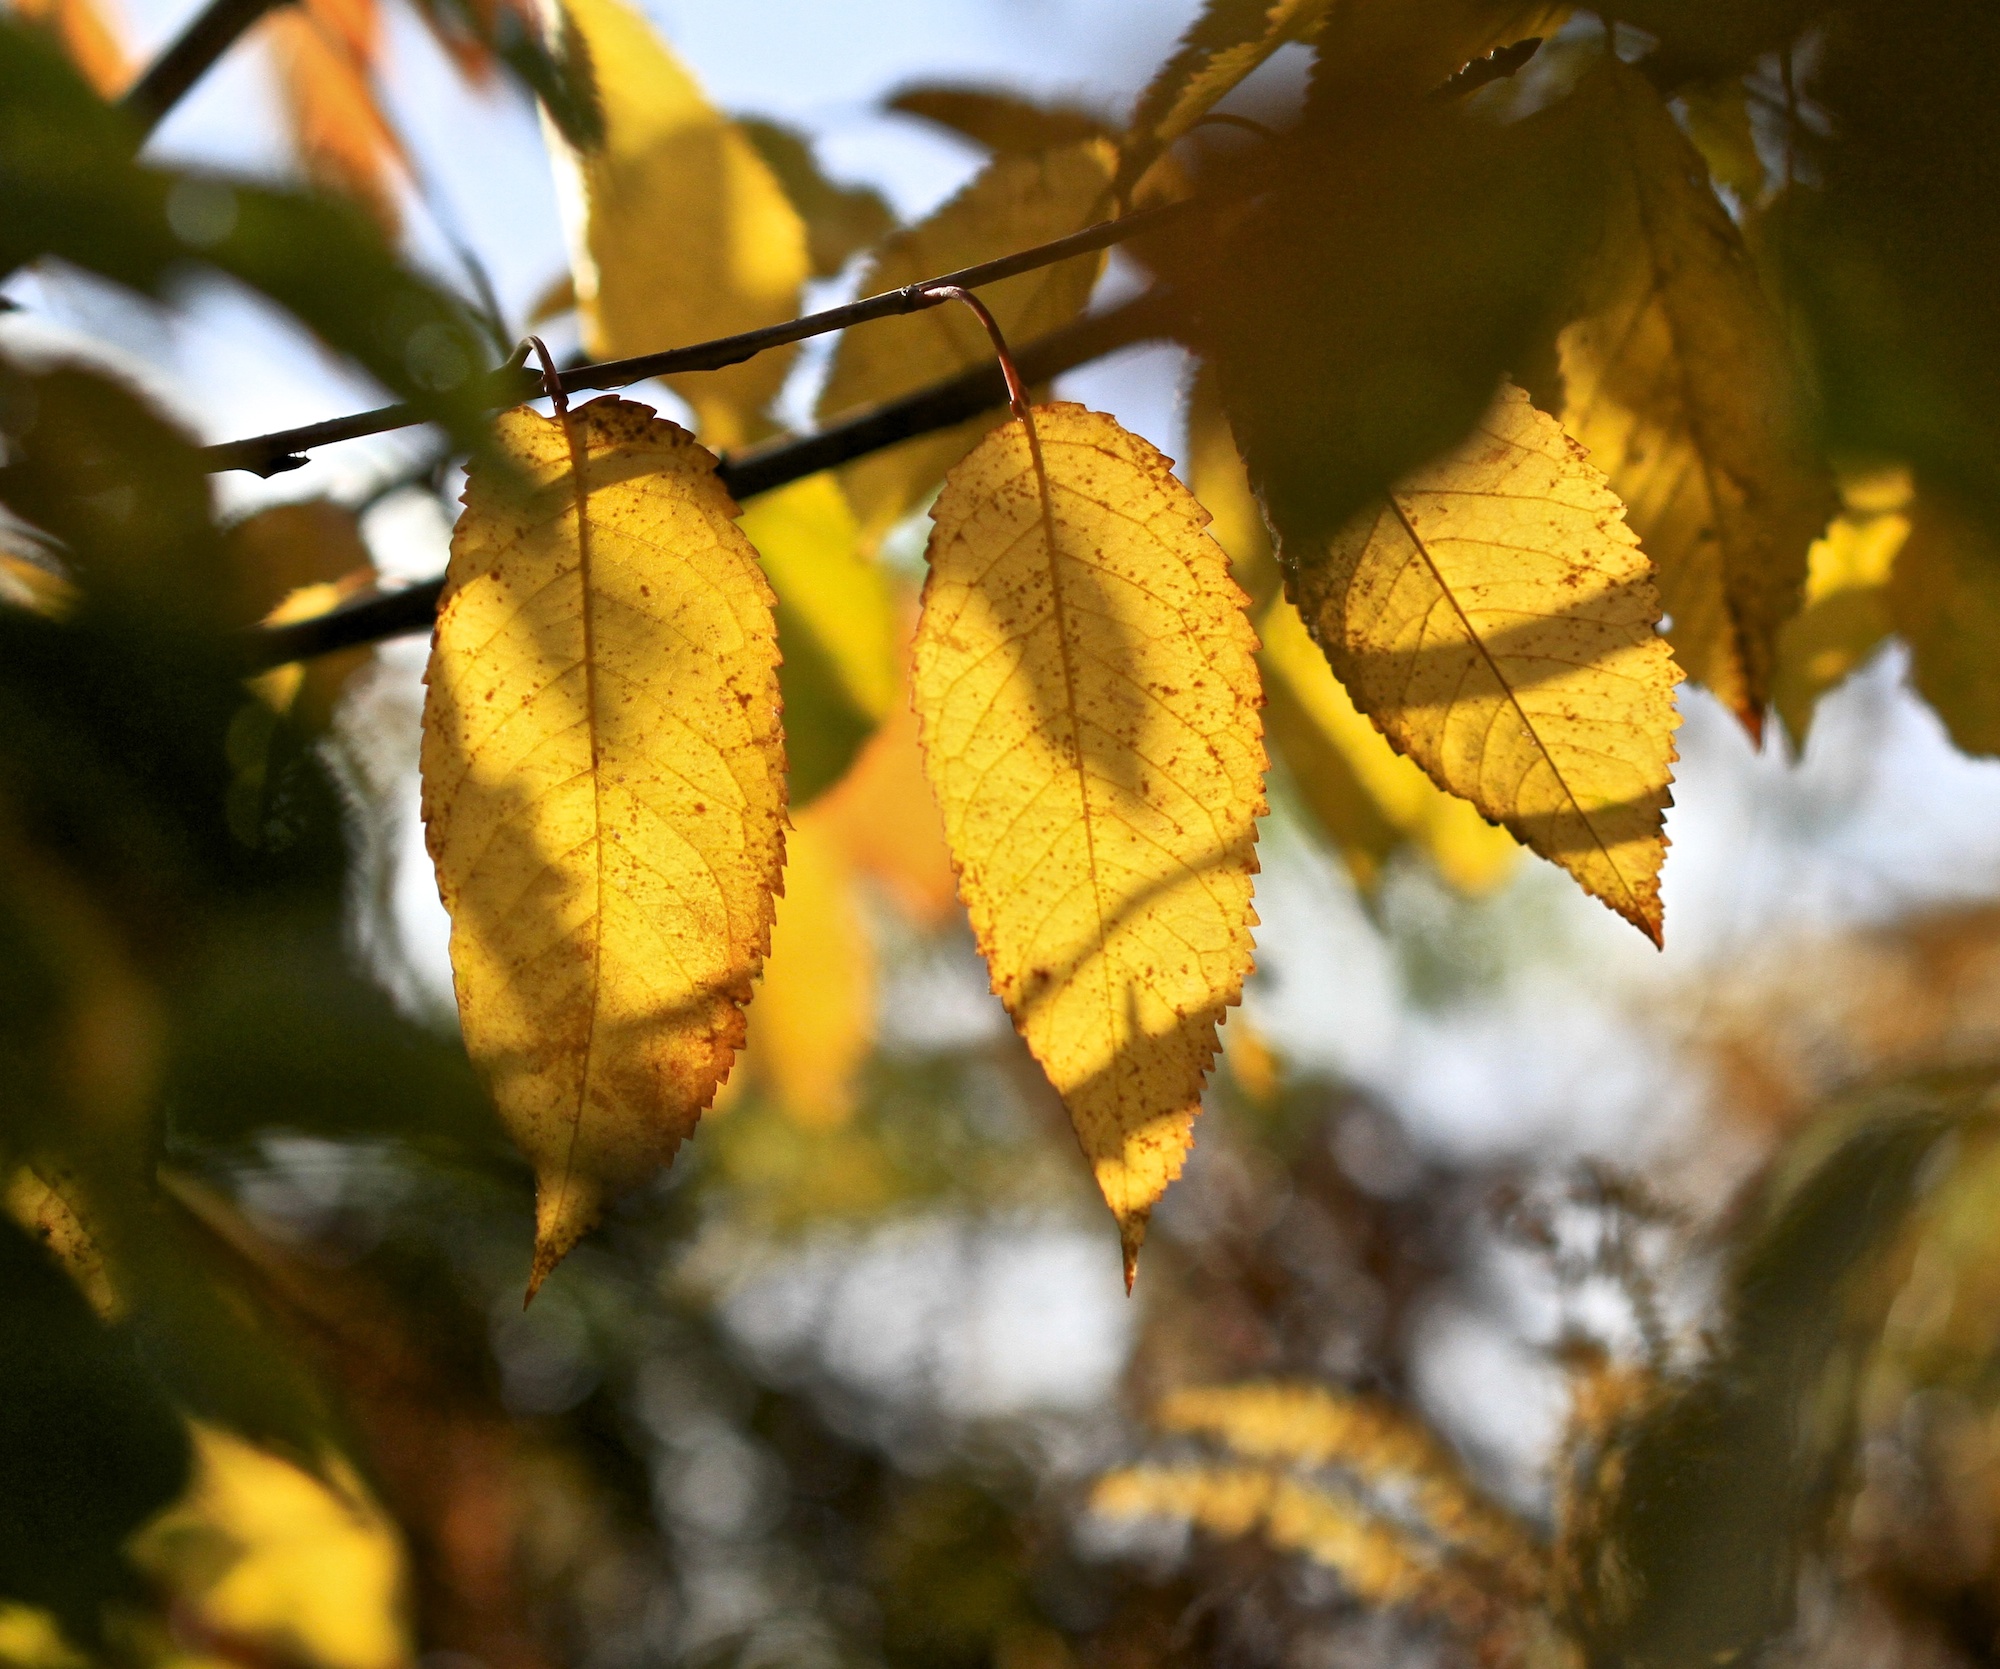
(839, 1389)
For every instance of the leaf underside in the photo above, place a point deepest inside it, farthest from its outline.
(1085, 684)
(603, 793)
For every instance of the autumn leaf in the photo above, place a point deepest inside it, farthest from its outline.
(1406, 50)
(837, 620)
(1847, 612)
(884, 817)
(814, 1020)
(1013, 204)
(682, 233)
(325, 52)
(997, 120)
(1368, 797)
(89, 38)
(1678, 379)
(840, 220)
(1087, 699)
(1222, 46)
(603, 793)
(1944, 597)
(1495, 617)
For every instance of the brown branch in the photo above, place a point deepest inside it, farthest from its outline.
(274, 453)
(216, 28)
(760, 469)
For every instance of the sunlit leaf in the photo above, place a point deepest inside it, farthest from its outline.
(885, 819)
(841, 220)
(1495, 617)
(837, 621)
(603, 793)
(1085, 683)
(1944, 598)
(1014, 203)
(685, 233)
(325, 52)
(1678, 379)
(1717, 114)
(1847, 608)
(276, 1561)
(814, 1020)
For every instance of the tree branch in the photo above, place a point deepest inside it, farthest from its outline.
(216, 28)
(273, 454)
(759, 469)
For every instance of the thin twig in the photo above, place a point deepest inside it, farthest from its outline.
(759, 469)
(218, 27)
(273, 453)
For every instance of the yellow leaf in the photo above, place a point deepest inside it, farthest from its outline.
(1413, 48)
(886, 821)
(603, 793)
(1945, 598)
(1015, 202)
(1718, 121)
(1229, 40)
(1367, 797)
(1846, 614)
(1679, 381)
(88, 37)
(814, 1019)
(26, 584)
(837, 621)
(1495, 618)
(36, 1200)
(325, 53)
(1320, 719)
(686, 233)
(1087, 695)
(284, 1567)
(290, 562)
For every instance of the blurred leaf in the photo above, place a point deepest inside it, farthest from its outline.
(291, 562)
(1402, 50)
(1717, 114)
(276, 1562)
(94, 466)
(813, 1023)
(603, 794)
(1944, 597)
(1679, 381)
(841, 220)
(1227, 42)
(1087, 697)
(34, 586)
(88, 36)
(1847, 609)
(325, 52)
(1369, 798)
(1340, 374)
(1495, 618)
(1711, 37)
(89, 1449)
(886, 821)
(554, 302)
(1014, 203)
(73, 190)
(1216, 476)
(836, 623)
(688, 233)
(1007, 124)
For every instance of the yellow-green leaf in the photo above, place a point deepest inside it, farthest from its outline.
(1222, 46)
(1679, 380)
(1411, 49)
(837, 621)
(1015, 202)
(1495, 617)
(1360, 787)
(1847, 612)
(1945, 598)
(603, 793)
(1087, 694)
(684, 233)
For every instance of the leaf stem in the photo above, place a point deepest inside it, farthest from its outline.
(757, 469)
(275, 453)
(1017, 391)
